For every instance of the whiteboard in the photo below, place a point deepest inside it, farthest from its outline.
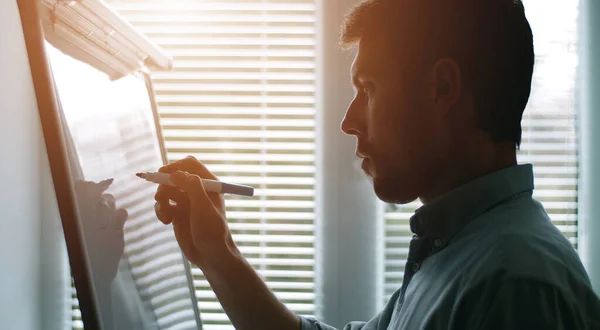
(141, 278)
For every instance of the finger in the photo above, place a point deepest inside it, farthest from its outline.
(174, 203)
(174, 166)
(161, 215)
(190, 165)
(165, 194)
(110, 200)
(192, 185)
(170, 212)
(101, 212)
(183, 234)
(212, 201)
(120, 218)
(105, 184)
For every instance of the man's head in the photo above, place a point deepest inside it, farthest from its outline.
(435, 80)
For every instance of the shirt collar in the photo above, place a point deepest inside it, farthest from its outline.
(443, 217)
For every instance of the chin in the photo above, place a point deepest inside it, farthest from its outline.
(391, 185)
(391, 190)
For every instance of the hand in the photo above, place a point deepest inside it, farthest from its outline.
(102, 227)
(198, 217)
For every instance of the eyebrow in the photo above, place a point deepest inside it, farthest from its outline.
(357, 75)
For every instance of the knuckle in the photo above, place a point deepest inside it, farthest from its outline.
(123, 215)
(160, 196)
(189, 161)
(157, 209)
(109, 198)
(164, 193)
(176, 200)
(162, 219)
(195, 179)
(167, 168)
(184, 164)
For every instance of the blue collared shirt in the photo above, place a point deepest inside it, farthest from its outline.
(486, 256)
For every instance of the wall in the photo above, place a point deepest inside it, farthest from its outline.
(27, 202)
(589, 137)
(20, 147)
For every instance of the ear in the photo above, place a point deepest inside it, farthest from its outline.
(446, 78)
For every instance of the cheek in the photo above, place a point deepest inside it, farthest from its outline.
(383, 117)
(389, 131)
(401, 137)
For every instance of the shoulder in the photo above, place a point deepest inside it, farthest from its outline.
(519, 240)
(518, 271)
(503, 301)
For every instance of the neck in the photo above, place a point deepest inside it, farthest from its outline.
(469, 165)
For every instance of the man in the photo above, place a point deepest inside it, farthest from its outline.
(441, 86)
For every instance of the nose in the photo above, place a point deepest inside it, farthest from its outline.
(351, 124)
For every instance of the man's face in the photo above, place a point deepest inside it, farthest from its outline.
(391, 117)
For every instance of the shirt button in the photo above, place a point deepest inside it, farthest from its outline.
(437, 243)
(416, 266)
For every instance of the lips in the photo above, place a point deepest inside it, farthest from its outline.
(361, 148)
(365, 166)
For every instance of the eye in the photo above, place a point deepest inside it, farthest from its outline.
(368, 88)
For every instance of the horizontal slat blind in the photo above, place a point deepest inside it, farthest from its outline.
(549, 133)
(241, 98)
(549, 127)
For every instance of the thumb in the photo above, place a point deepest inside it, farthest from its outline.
(192, 185)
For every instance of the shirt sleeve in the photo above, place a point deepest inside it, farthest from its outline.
(312, 324)
(516, 303)
(379, 322)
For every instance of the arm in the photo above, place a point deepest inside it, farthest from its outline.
(201, 230)
(251, 305)
(103, 291)
(102, 226)
(244, 296)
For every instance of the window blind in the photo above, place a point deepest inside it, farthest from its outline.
(549, 133)
(241, 98)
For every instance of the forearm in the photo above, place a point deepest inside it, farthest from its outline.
(244, 295)
(104, 294)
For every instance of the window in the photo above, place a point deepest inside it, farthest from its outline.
(241, 98)
(549, 135)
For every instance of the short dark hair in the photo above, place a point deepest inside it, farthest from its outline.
(490, 40)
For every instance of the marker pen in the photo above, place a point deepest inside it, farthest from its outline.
(209, 185)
